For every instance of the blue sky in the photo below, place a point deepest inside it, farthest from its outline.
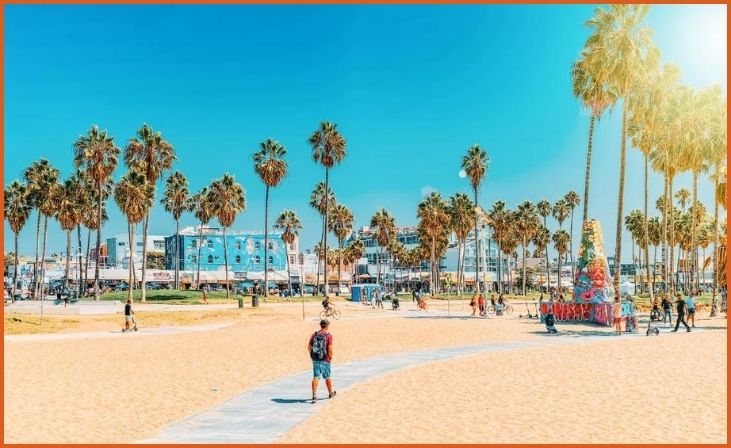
(411, 88)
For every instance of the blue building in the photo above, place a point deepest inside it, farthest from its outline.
(245, 251)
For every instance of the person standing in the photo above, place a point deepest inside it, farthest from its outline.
(681, 308)
(473, 304)
(128, 312)
(320, 348)
(379, 299)
(205, 293)
(690, 304)
(667, 309)
(617, 316)
(481, 304)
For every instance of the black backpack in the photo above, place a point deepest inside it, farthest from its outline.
(319, 346)
(550, 320)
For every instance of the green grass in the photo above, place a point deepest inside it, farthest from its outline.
(170, 297)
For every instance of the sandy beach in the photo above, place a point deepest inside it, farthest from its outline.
(120, 390)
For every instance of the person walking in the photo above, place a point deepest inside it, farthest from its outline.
(481, 304)
(379, 299)
(205, 293)
(690, 304)
(681, 309)
(667, 309)
(617, 316)
(320, 348)
(473, 304)
(128, 312)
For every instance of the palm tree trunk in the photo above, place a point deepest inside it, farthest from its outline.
(15, 269)
(646, 242)
(88, 253)
(68, 260)
(665, 240)
(43, 255)
(340, 257)
(327, 179)
(545, 223)
(322, 244)
(464, 249)
(672, 237)
(588, 169)
(715, 235)
(571, 245)
(200, 242)
(559, 272)
(131, 267)
(35, 267)
(620, 203)
(266, 243)
(144, 255)
(289, 273)
(78, 234)
(98, 238)
(693, 248)
(225, 262)
(499, 267)
(654, 270)
(433, 283)
(525, 243)
(477, 254)
(177, 254)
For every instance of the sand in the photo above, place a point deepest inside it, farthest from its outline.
(125, 389)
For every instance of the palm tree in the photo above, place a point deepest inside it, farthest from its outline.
(383, 227)
(91, 219)
(621, 45)
(290, 225)
(68, 215)
(654, 234)
(474, 163)
(596, 96)
(717, 160)
(356, 250)
(134, 196)
(509, 243)
(560, 240)
(227, 200)
(541, 239)
(683, 196)
(433, 224)
(40, 176)
(561, 211)
(500, 223)
(341, 225)
(634, 223)
(572, 200)
(17, 207)
(328, 149)
(152, 155)
(176, 201)
(543, 207)
(643, 126)
(82, 203)
(202, 209)
(526, 225)
(95, 154)
(318, 199)
(271, 167)
(462, 211)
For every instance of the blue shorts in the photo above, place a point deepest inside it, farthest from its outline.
(321, 369)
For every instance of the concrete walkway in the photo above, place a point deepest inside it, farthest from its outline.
(266, 413)
(152, 331)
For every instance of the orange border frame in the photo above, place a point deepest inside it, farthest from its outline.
(301, 2)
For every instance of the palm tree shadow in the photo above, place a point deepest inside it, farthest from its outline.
(290, 400)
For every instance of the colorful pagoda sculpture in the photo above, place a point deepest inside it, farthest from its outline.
(592, 283)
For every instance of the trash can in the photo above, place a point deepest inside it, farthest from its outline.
(255, 301)
(241, 302)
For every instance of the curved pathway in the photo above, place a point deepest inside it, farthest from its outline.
(266, 413)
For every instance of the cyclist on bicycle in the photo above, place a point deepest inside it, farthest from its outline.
(327, 304)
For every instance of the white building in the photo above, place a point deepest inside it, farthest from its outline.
(119, 250)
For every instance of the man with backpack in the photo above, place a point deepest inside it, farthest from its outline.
(320, 348)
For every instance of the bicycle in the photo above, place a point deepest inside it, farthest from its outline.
(332, 312)
(507, 309)
(422, 304)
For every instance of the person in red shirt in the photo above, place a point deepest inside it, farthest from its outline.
(320, 348)
(481, 304)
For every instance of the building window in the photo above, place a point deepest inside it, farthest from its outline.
(238, 245)
(257, 245)
(238, 258)
(210, 259)
(271, 260)
(271, 246)
(291, 259)
(159, 245)
(291, 246)
(118, 244)
(193, 244)
(257, 259)
(210, 244)
(192, 258)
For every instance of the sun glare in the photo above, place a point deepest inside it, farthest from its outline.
(702, 38)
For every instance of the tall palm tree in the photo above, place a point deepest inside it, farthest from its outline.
(17, 206)
(319, 197)
(509, 243)
(683, 197)
(572, 200)
(717, 160)
(595, 95)
(152, 155)
(68, 215)
(462, 212)
(543, 207)
(474, 163)
(560, 240)
(341, 225)
(95, 154)
(271, 167)
(654, 234)
(634, 223)
(328, 149)
(500, 223)
(434, 222)
(227, 200)
(203, 210)
(134, 196)
(91, 220)
(561, 211)
(290, 225)
(40, 176)
(541, 239)
(356, 249)
(526, 225)
(621, 44)
(383, 227)
(82, 200)
(176, 201)
(643, 126)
